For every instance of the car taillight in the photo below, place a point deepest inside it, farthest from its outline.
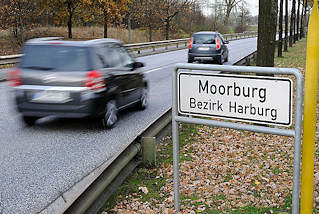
(217, 44)
(94, 80)
(15, 77)
(190, 43)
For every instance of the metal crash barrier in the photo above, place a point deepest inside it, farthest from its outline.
(192, 82)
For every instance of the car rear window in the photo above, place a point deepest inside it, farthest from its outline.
(55, 57)
(204, 38)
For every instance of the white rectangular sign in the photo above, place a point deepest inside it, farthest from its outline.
(264, 100)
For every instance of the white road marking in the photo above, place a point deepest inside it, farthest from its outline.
(159, 68)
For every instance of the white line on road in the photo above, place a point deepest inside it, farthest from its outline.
(159, 68)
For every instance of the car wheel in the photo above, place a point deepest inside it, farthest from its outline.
(29, 121)
(143, 101)
(190, 60)
(220, 60)
(110, 117)
(226, 60)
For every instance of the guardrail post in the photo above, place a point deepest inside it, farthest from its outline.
(166, 47)
(153, 48)
(138, 51)
(177, 45)
(149, 150)
(248, 61)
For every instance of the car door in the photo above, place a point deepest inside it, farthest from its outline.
(135, 74)
(122, 75)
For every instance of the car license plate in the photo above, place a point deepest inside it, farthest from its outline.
(49, 96)
(203, 48)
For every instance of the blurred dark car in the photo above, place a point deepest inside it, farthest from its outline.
(208, 46)
(77, 79)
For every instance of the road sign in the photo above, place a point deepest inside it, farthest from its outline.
(263, 100)
(267, 88)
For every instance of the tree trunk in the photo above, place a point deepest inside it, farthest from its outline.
(105, 17)
(228, 11)
(267, 22)
(15, 31)
(292, 20)
(20, 23)
(105, 29)
(301, 20)
(167, 26)
(298, 22)
(294, 24)
(70, 11)
(129, 28)
(305, 17)
(286, 26)
(150, 31)
(280, 28)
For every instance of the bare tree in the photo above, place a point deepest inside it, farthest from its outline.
(292, 23)
(297, 21)
(230, 5)
(302, 27)
(170, 9)
(286, 26)
(217, 14)
(267, 23)
(242, 17)
(280, 28)
(294, 2)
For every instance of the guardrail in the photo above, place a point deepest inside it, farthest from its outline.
(10, 59)
(248, 59)
(138, 47)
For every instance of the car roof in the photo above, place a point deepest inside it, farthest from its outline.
(58, 40)
(205, 32)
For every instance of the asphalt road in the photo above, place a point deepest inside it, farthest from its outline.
(40, 163)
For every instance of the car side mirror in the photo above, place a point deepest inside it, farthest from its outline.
(136, 65)
(226, 42)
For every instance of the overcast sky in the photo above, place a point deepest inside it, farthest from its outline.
(253, 7)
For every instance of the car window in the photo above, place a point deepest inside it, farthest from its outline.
(126, 59)
(222, 38)
(55, 57)
(204, 38)
(114, 56)
(101, 57)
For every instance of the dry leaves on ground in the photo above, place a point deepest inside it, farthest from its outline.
(228, 169)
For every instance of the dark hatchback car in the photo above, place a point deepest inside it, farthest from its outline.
(208, 46)
(77, 79)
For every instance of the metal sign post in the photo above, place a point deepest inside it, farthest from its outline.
(189, 86)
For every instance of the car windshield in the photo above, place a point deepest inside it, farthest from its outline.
(204, 38)
(55, 57)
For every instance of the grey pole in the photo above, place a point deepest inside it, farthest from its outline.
(297, 146)
(175, 139)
